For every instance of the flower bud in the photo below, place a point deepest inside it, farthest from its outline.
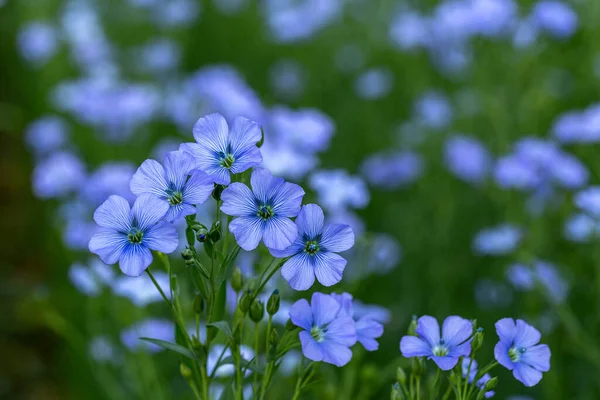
(289, 325)
(187, 254)
(215, 232)
(201, 235)
(216, 193)
(257, 310)
(245, 301)
(190, 262)
(273, 302)
(237, 280)
(401, 375)
(491, 384)
(273, 337)
(185, 371)
(477, 340)
(262, 138)
(198, 304)
(396, 392)
(412, 328)
(196, 226)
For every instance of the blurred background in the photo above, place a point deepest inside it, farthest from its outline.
(457, 137)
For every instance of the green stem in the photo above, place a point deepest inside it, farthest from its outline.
(212, 375)
(464, 391)
(418, 388)
(256, 351)
(436, 387)
(485, 370)
(301, 380)
(447, 393)
(269, 275)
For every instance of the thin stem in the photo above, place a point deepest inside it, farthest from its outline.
(194, 389)
(269, 275)
(256, 349)
(212, 375)
(467, 377)
(301, 380)
(419, 388)
(447, 393)
(436, 387)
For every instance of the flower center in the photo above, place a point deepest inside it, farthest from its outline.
(441, 349)
(226, 160)
(265, 212)
(317, 334)
(311, 247)
(175, 198)
(135, 236)
(515, 353)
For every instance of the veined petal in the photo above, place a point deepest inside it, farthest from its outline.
(135, 259)
(179, 211)
(162, 237)
(462, 350)
(342, 330)
(324, 308)
(279, 233)
(207, 162)
(264, 185)
(527, 375)
(244, 134)
(336, 354)
(501, 355)
(429, 329)
(455, 330)
(310, 220)
(238, 201)
(329, 268)
(108, 245)
(212, 132)
(149, 178)
(506, 330)
(247, 231)
(301, 314)
(178, 165)
(197, 188)
(248, 158)
(537, 357)
(287, 201)
(114, 214)
(310, 347)
(445, 363)
(413, 346)
(526, 335)
(148, 210)
(337, 238)
(298, 272)
(294, 248)
(367, 330)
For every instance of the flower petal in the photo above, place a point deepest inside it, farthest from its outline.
(247, 231)
(148, 210)
(108, 245)
(264, 185)
(537, 357)
(526, 335)
(462, 350)
(244, 134)
(324, 308)
(178, 165)
(301, 314)
(149, 178)
(527, 375)
(207, 162)
(429, 329)
(413, 346)
(162, 237)
(342, 330)
(310, 221)
(135, 259)
(178, 211)
(506, 330)
(337, 238)
(238, 201)
(501, 355)
(367, 330)
(248, 158)
(114, 214)
(329, 268)
(336, 354)
(288, 200)
(310, 347)
(212, 132)
(445, 363)
(294, 248)
(298, 272)
(279, 233)
(455, 330)
(197, 188)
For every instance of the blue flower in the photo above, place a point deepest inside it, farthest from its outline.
(433, 110)
(314, 251)
(47, 134)
(58, 175)
(220, 151)
(497, 240)
(263, 212)
(473, 373)
(37, 42)
(467, 159)
(171, 184)
(337, 190)
(588, 200)
(326, 336)
(555, 17)
(108, 179)
(367, 327)
(581, 228)
(130, 233)
(518, 351)
(374, 83)
(392, 170)
(161, 329)
(445, 350)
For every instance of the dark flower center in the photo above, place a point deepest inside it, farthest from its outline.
(135, 236)
(226, 160)
(441, 349)
(265, 212)
(311, 247)
(515, 353)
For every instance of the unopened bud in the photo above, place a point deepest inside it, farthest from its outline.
(273, 302)
(245, 301)
(185, 371)
(196, 226)
(491, 384)
(237, 280)
(190, 262)
(215, 232)
(257, 310)
(289, 325)
(401, 375)
(273, 337)
(216, 193)
(187, 254)
(198, 304)
(412, 327)
(477, 340)
(396, 392)
(201, 235)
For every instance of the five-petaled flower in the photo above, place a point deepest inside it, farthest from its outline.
(313, 252)
(220, 151)
(445, 350)
(326, 335)
(518, 350)
(263, 212)
(171, 184)
(367, 329)
(130, 233)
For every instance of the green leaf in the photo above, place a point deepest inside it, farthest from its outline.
(171, 346)
(223, 326)
(190, 235)
(251, 365)
(228, 264)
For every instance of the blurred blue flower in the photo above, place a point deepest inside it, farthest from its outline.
(497, 240)
(374, 312)
(141, 290)
(581, 228)
(338, 190)
(37, 42)
(368, 329)
(102, 349)
(392, 170)
(263, 212)
(581, 126)
(58, 175)
(518, 351)
(284, 160)
(473, 373)
(555, 17)
(409, 30)
(588, 201)
(178, 183)
(492, 17)
(90, 279)
(525, 34)
(130, 233)
(445, 350)
(47, 134)
(158, 56)
(109, 178)
(219, 151)
(326, 336)
(374, 83)
(307, 130)
(153, 328)
(467, 158)
(491, 294)
(556, 287)
(287, 78)
(313, 253)
(521, 276)
(385, 253)
(433, 110)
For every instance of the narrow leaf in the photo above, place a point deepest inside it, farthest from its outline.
(223, 326)
(170, 346)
